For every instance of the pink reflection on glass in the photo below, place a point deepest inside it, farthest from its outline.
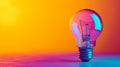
(86, 27)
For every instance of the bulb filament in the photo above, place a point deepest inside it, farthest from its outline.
(85, 35)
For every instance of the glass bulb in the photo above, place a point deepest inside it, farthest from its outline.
(86, 26)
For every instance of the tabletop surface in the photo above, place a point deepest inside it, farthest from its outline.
(63, 60)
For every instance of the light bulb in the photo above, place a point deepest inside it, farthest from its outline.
(86, 26)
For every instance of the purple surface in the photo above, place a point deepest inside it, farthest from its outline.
(59, 61)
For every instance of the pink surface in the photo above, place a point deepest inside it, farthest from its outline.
(60, 60)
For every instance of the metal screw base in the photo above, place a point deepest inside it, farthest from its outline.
(85, 54)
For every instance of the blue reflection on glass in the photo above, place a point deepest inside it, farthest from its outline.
(98, 25)
(76, 31)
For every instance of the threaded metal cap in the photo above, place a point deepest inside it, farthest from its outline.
(85, 54)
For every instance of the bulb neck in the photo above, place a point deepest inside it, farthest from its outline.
(85, 54)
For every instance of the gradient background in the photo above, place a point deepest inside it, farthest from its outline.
(42, 26)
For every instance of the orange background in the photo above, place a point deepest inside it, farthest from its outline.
(42, 26)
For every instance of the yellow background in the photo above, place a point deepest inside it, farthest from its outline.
(42, 26)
